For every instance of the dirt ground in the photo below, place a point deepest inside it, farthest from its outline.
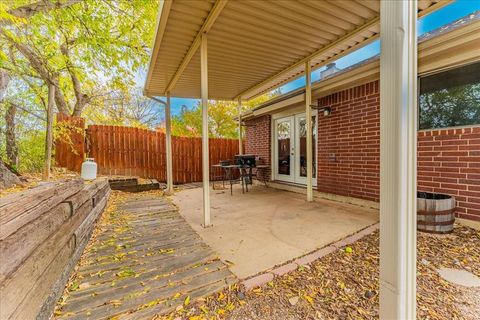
(344, 285)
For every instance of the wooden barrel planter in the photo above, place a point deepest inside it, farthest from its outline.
(435, 212)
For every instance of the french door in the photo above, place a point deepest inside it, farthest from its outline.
(291, 149)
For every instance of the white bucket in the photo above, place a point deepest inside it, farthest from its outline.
(89, 169)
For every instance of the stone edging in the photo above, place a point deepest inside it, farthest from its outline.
(269, 275)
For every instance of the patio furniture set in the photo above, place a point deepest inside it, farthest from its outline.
(243, 169)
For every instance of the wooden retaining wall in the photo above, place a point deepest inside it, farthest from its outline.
(43, 232)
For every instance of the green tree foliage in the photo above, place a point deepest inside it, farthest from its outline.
(221, 122)
(32, 151)
(455, 106)
(90, 50)
(81, 46)
(31, 137)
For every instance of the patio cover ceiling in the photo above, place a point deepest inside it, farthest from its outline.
(256, 46)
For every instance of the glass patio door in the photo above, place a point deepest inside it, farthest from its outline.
(301, 149)
(284, 149)
(291, 149)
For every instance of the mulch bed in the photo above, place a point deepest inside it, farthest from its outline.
(344, 285)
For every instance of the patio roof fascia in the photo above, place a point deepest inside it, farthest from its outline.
(161, 24)
(461, 32)
(373, 22)
(209, 21)
(353, 34)
(425, 7)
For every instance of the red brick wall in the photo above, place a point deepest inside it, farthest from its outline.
(349, 151)
(449, 162)
(349, 143)
(258, 141)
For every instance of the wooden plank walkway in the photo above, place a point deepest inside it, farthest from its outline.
(143, 260)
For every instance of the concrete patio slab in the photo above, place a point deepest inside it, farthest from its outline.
(266, 227)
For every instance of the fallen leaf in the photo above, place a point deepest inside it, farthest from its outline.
(308, 299)
(293, 300)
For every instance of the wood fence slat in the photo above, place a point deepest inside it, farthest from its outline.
(140, 152)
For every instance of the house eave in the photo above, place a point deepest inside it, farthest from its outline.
(450, 46)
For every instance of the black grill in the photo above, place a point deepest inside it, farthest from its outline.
(245, 160)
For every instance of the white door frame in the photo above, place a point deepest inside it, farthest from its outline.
(293, 116)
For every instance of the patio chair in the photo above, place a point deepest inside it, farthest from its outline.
(260, 171)
(227, 173)
(219, 172)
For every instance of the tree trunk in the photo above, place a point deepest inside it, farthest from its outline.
(60, 100)
(49, 136)
(31, 9)
(38, 64)
(11, 141)
(4, 80)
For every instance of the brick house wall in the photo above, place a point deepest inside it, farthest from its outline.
(349, 151)
(258, 135)
(449, 162)
(349, 143)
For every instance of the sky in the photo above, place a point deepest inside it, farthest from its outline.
(445, 15)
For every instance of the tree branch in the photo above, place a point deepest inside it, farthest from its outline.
(39, 66)
(81, 98)
(42, 6)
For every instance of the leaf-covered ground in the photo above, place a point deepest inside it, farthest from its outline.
(344, 285)
(32, 179)
(143, 259)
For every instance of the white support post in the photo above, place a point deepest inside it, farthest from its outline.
(240, 141)
(205, 149)
(308, 126)
(398, 143)
(168, 136)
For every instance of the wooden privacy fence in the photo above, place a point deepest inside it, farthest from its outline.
(70, 143)
(128, 151)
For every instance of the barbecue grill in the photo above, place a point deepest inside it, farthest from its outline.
(244, 163)
(245, 160)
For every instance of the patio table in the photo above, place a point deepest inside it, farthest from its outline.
(228, 175)
(246, 175)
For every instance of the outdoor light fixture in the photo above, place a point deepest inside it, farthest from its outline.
(326, 110)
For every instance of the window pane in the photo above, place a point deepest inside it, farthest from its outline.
(303, 148)
(283, 147)
(450, 98)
